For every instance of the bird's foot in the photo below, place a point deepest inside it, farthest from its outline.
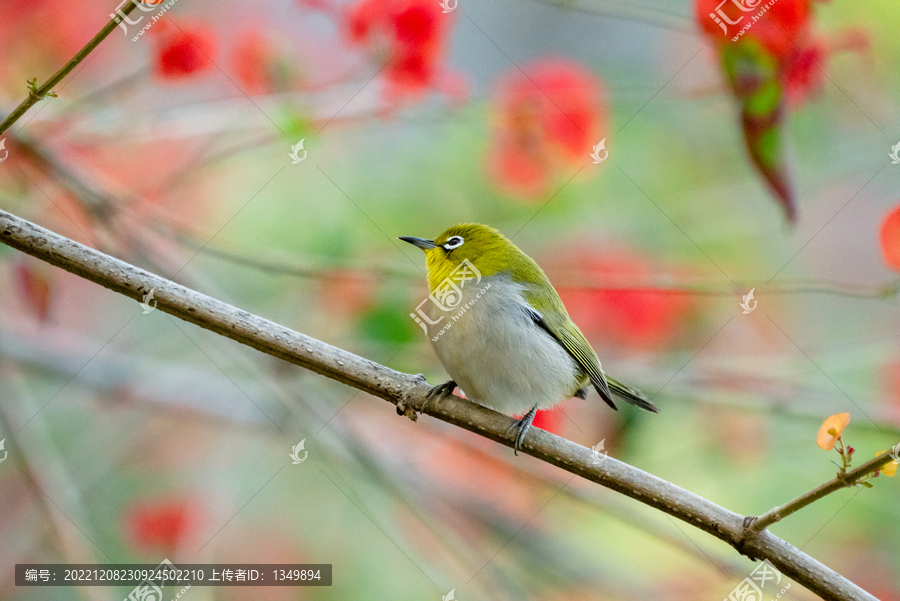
(438, 392)
(523, 425)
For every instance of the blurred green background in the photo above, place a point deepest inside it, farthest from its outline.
(132, 436)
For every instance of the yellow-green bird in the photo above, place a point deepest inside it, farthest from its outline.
(501, 331)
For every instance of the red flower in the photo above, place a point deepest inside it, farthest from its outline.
(785, 31)
(890, 239)
(409, 34)
(183, 52)
(778, 28)
(618, 313)
(802, 71)
(549, 119)
(259, 65)
(549, 419)
(159, 524)
(347, 293)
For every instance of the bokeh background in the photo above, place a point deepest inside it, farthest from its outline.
(132, 436)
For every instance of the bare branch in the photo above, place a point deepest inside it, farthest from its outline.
(37, 93)
(51, 475)
(566, 281)
(408, 392)
(851, 478)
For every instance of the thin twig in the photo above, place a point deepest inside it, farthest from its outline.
(38, 94)
(101, 203)
(312, 271)
(70, 545)
(649, 15)
(408, 393)
(562, 281)
(851, 478)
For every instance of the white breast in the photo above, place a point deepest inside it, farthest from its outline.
(495, 352)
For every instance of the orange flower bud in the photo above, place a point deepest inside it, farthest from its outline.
(831, 430)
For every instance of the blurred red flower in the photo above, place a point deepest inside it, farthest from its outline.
(549, 420)
(549, 119)
(623, 316)
(259, 65)
(158, 524)
(785, 33)
(778, 29)
(890, 239)
(347, 293)
(409, 34)
(801, 73)
(38, 35)
(182, 52)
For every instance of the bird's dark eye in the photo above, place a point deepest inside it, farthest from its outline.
(454, 242)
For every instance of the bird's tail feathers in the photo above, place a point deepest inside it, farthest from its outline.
(631, 395)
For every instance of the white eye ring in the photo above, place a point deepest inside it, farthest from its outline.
(454, 242)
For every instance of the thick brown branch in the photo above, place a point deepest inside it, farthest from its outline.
(404, 389)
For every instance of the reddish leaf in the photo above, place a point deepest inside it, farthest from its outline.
(753, 73)
(34, 284)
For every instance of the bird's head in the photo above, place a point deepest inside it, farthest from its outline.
(488, 250)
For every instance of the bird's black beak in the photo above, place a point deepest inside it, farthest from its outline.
(420, 242)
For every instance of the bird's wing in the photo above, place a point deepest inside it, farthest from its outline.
(574, 343)
(539, 292)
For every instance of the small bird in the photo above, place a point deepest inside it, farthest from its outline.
(507, 341)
